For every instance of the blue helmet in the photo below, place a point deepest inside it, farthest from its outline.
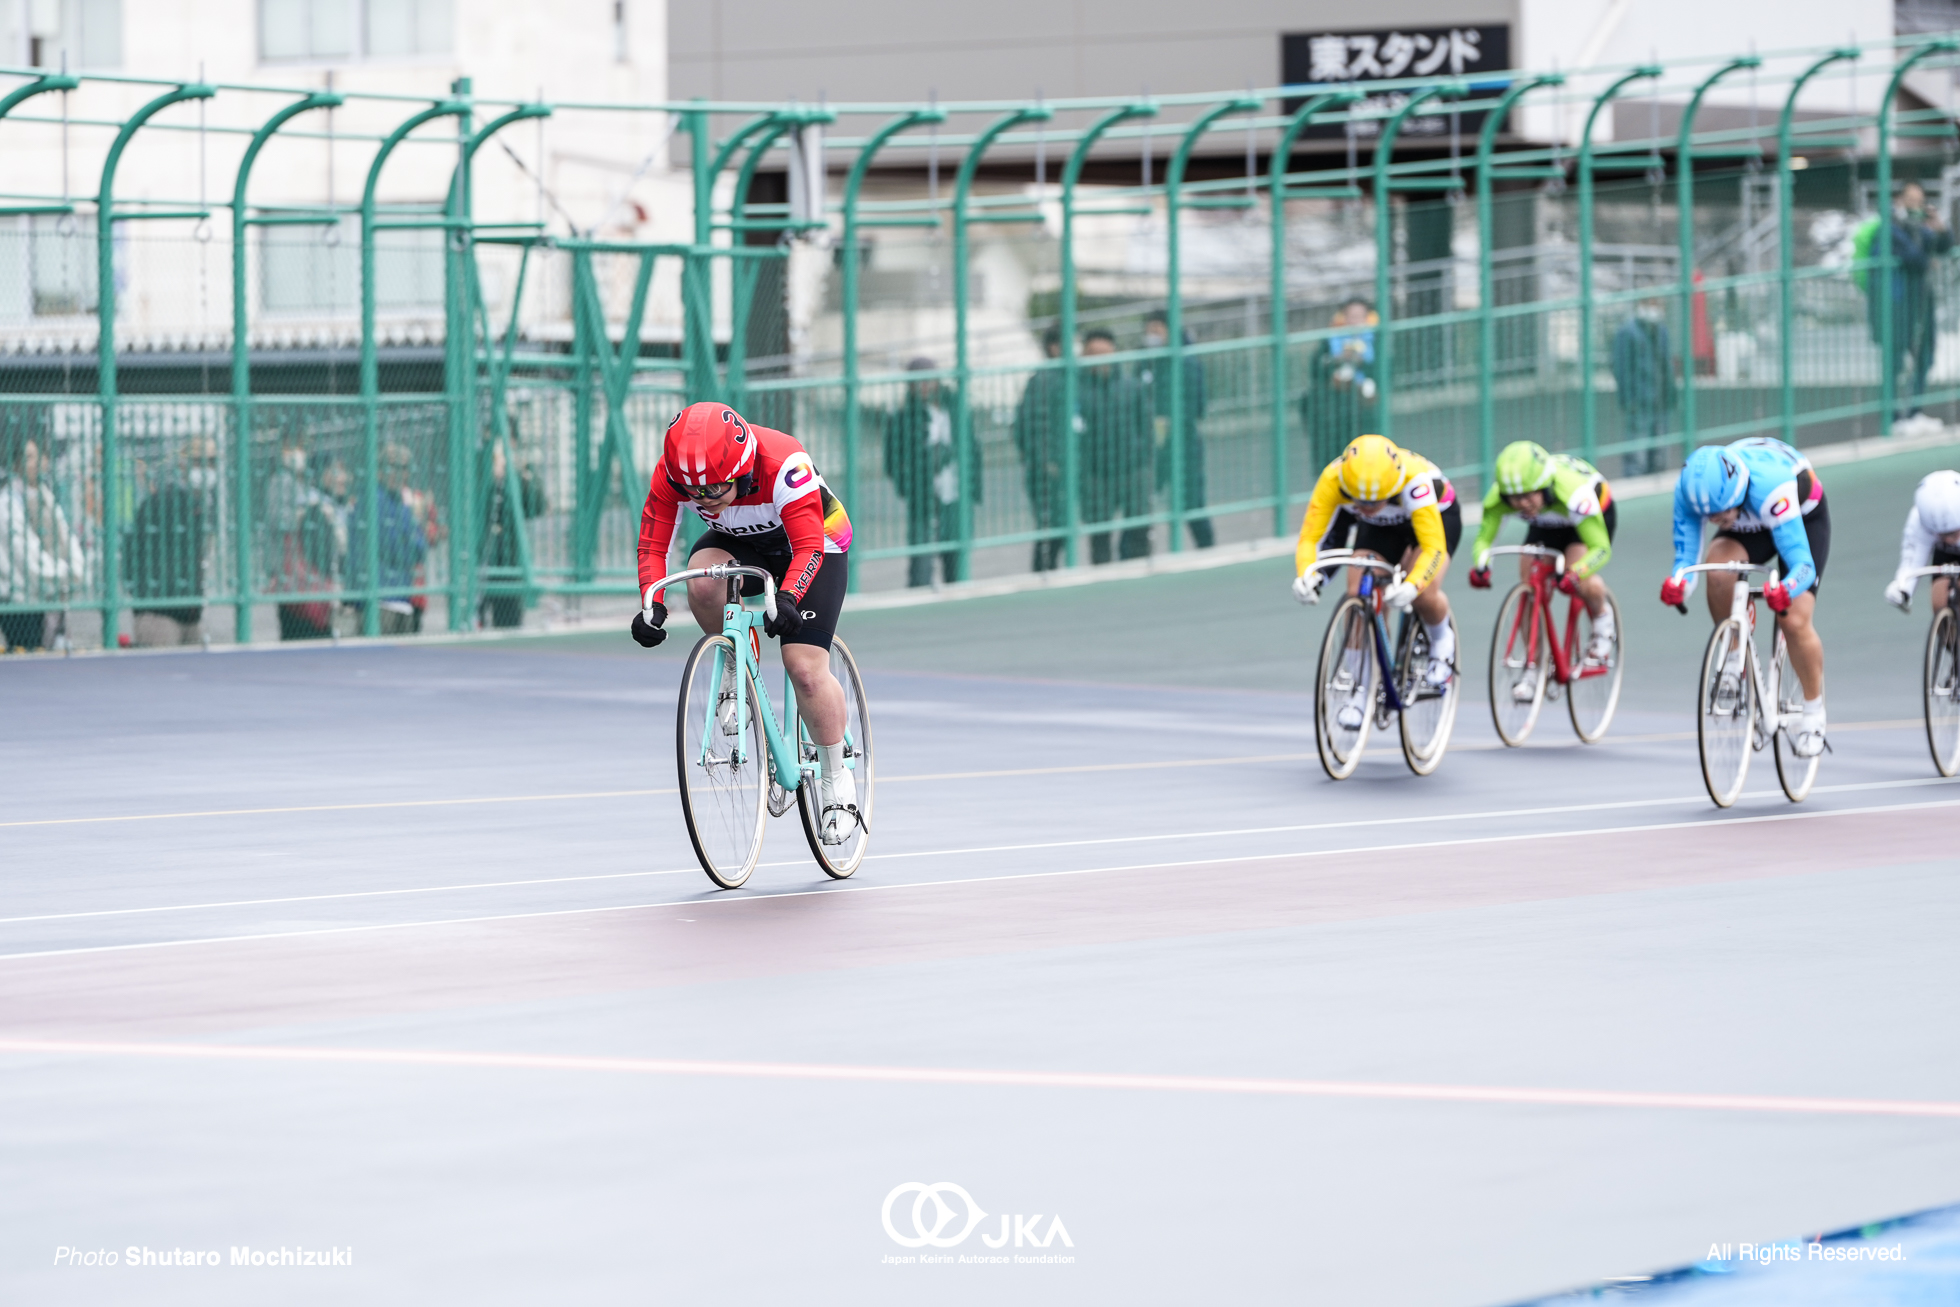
(1714, 479)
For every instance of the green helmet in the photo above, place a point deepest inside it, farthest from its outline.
(1522, 467)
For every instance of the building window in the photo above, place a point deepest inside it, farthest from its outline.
(77, 34)
(341, 31)
(61, 265)
(313, 271)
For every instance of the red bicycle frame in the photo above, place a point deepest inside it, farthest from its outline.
(1543, 570)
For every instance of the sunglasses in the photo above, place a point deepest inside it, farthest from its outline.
(715, 491)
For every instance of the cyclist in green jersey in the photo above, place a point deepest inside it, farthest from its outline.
(1567, 506)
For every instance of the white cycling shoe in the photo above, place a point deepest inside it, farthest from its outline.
(1525, 690)
(1599, 649)
(1350, 717)
(1808, 741)
(1440, 672)
(841, 818)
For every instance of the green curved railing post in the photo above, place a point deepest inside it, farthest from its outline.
(39, 86)
(1385, 252)
(1684, 197)
(1276, 196)
(963, 459)
(1888, 393)
(371, 362)
(1071, 357)
(241, 355)
(1174, 301)
(105, 376)
(1486, 273)
(465, 497)
(697, 281)
(743, 275)
(852, 186)
(1588, 397)
(1786, 197)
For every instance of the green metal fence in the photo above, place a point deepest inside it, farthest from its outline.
(380, 409)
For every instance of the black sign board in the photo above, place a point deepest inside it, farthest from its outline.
(1356, 58)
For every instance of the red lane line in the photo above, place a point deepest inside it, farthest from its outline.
(1510, 1095)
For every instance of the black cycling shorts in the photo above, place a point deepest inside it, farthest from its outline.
(1563, 538)
(1391, 540)
(821, 606)
(1762, 544)
(1944, 557)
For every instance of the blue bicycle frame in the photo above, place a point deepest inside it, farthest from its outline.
(1379, 626)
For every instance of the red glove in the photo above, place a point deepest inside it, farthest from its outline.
(1777, 596)
(1566, 585)
(1480, 578)
(1674, 592)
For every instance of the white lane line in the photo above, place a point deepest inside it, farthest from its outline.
(851, 887)
(1081, 768)
(994, 848)
(1506, 1095)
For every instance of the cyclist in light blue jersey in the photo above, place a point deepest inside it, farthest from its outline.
(1764, 501)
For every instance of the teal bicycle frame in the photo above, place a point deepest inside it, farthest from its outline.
(743, 626)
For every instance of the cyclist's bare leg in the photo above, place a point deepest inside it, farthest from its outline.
(1354, 574)
(1721, 585)
(1592, 589)
(1942, 589)
(1431, 605)
(706, 595)
(818, 695)
(1806, 646)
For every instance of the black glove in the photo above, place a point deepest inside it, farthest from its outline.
(789, 615)
(649, 634)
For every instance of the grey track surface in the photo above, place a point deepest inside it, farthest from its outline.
(1103, 846)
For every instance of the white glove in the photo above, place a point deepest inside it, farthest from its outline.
(1400, 595)
(1306, 587)
(1899, 594)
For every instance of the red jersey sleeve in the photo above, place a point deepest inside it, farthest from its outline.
(658, 521)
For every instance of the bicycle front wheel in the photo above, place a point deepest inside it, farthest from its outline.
(1595, 689)
(1943, 691)
(1796, 775)
(723, 761)
(841, 858)
(1428, 711)
(1725, 712)
(1517, 666)
(1346, 679)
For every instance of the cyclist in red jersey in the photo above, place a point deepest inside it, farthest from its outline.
(765, 506)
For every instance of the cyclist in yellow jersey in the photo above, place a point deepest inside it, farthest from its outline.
(1396, 506)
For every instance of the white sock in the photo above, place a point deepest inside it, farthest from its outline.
(831, 757)
(1813, 709)
(1603, 623)
(1442, 639)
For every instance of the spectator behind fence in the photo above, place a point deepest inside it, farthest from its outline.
(41, 558)
(164, 554)
(1340, 400)
(1116, 450)
(1157, 335)
(1918, 238)
(401, 544)
(503, 592)
(1643, 372)
(1041, 435)
(922, 460)
(297, 546)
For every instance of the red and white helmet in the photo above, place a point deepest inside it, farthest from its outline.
(708, 444)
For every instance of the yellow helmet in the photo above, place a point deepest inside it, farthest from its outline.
(1372, 470)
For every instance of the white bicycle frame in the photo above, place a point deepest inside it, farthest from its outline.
(1765, 681)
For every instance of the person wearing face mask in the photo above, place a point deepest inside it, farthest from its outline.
(41, 558)
(296, 544)
(164, 553)
(1643, 374)
(1156, 375)
(1918, 238)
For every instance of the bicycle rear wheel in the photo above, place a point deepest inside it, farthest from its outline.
(1346, 677)
(1725, 712)
(1795, 774)
(1518, 657)
(842, 858)
(1942, 691)
(1592, 698)
(723, 762)
(1428, 711)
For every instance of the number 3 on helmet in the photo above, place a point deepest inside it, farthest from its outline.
(708, 444)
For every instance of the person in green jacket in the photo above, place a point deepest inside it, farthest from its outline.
(1567, 506)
